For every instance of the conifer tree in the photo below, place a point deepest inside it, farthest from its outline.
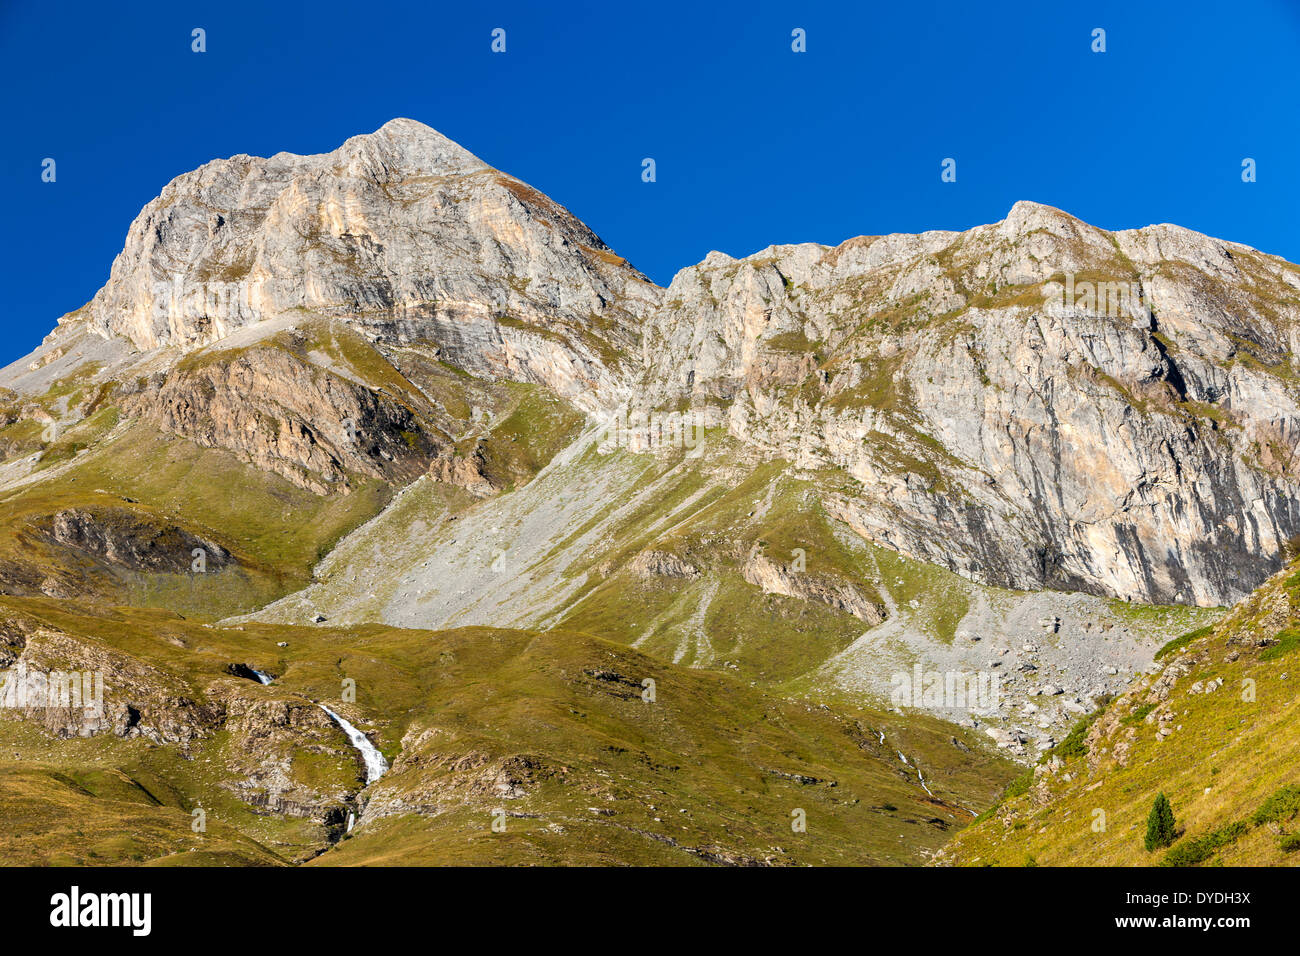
(1160, 824)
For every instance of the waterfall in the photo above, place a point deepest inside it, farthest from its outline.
(376, 765)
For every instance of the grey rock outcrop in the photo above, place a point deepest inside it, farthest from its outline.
(651, 564)
(287, 415)
(776, 578)
(128, 540)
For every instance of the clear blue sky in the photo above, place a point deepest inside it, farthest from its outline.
(754, 144)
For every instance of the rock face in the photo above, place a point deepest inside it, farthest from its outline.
(73, 689)
(128, 540)
(292, 417)
(266, 737)
(775, 578)
(1034, 403)
(466, 471)
(652, 564)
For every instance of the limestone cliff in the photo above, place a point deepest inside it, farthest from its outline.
(1035, 403)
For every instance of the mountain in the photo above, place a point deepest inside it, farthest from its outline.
(332, 413)
(405, 235)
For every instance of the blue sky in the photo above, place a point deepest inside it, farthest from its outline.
(754, 144)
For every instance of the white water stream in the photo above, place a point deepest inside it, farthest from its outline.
(376, 765)
(919, 779)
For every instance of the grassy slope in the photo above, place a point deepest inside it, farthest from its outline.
(85, 817)
(719, 620)
(595, 774)
(1225, 758)
(770, 638)
(530, 427)
(275, 530)
(556, 719)
(195, 656)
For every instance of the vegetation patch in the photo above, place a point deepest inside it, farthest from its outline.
(1075, 742)
(1178, 643)
(1193, 851)
(1287, 641)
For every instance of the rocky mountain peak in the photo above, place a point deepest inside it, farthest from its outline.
(1026, 217)
(405, 146)
(1035, 402)
(401, 233)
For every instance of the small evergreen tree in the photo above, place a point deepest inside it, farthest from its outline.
(1160, 824)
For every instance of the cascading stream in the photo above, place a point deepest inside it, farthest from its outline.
(376, 764)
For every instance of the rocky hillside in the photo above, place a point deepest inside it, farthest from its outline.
(1212, 727)
(556, 738)
(719, 559)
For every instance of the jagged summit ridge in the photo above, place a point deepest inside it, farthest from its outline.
(1033, 403)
